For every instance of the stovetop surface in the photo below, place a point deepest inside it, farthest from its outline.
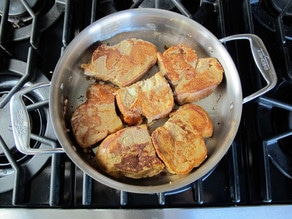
(240, 178)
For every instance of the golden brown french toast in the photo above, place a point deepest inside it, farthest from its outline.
(122, 64)
(151, 98)
(179, 143)
(192, 79)
(129, 152)
(94, 119)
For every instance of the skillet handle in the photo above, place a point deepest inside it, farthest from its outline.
(21, 127)
(262, 61)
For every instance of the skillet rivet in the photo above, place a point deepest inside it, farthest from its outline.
(231, 106)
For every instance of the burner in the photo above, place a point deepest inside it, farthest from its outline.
(275, 127)
(21, 20)
(41, 126)
(275, 114)
(274, 15)
(18, 16)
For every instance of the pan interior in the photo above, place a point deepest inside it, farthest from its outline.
(164, 29)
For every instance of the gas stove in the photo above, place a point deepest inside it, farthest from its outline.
(253, 178)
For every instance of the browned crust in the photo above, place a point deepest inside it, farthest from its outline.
(129, 152)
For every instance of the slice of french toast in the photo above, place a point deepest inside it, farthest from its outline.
(129, 152)
(94, 119)
(192, 79)
(122, 64)
(179, 143)
(151, 98)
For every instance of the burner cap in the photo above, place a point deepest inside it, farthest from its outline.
(21, 21)
(18, 14)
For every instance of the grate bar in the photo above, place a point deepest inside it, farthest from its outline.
(37, 105)
(22, 80)
(3, 26)
(267, 192)
(18, 188)
(269, 103)
(137, 4)
(55, 180)
(198, 191)
(234, 175)
(221, 18)
(34, 39)
(93, 11)
(86, 189)
(161, 198)
(181, 8)
(123, 198)
(279, 22)
(66, 32)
